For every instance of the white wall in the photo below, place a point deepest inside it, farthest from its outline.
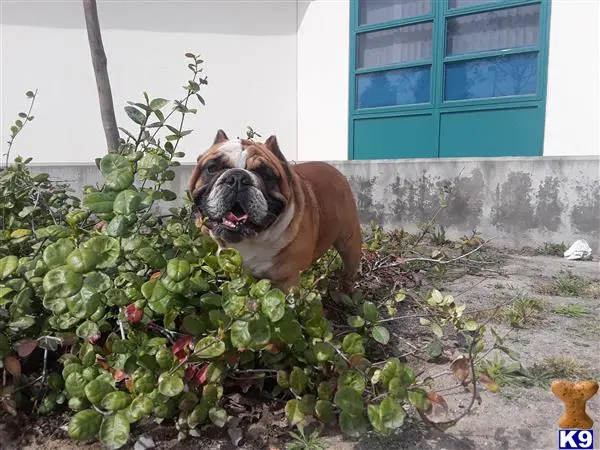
(573, 99)
(323, 64)
(249, 48)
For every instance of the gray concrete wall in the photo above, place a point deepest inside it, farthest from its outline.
(517, 201)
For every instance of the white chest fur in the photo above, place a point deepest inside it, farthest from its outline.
(259, 252)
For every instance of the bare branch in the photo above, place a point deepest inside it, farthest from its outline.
(107, 109)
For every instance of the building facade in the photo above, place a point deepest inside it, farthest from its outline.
(334, 79)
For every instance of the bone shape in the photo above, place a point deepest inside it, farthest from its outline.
(575, 397)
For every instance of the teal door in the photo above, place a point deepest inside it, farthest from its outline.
(447, 78)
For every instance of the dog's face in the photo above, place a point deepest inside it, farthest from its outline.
(240, 187)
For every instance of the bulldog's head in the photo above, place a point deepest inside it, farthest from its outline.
(240, 187)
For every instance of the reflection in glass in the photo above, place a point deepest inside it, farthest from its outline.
(499, 76)
(379, 11)
(393, 87)
(494, 30)
(396, 45)
(468, 3)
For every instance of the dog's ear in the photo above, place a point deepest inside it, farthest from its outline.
(273, 146)
(220, 137)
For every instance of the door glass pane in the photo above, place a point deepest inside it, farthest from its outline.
(393, 46)
(499, 76)
(379, 11)
(393, 87)
(452, 4)
(494, 30)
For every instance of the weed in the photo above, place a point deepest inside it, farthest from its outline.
(565, 284)
(504, 373)
(552, 249)
(570, 310)
(303, 442)
(555, 367)
(523, 311)
(498, 286)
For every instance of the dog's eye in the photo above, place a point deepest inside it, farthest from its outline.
(210, 168)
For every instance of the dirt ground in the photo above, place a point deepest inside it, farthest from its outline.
(561, 337)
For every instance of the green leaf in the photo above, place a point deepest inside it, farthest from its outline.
(141, 407)
(397, 388)
(356, 321)
(135, 114)
(56, 254)
(323, 351)
(119, 179)
(393, 368)
(380, 334)
(218, 416)
(260, 332)
(114, 431)
(8, 265)
(324, 411)
(370, 312)
(209, 347)
(127, 202)
(298, 381)
(290, 331)
(114, 401)
(96, 282)
(82, 260)
(151, 165)
(199, 414)
(85, 425)
(418, 398)
(240, 336)
(118, 226)
(352, 379)
(436, 329)
(151, 257)
(87, 329)
(99, 202)
(349, 400)
(374, 414)
(107, 248)
(171, 385)
(158, 103)
(75, 384)
(392, 414)
(273, 305)
(62, 282)
(471, 325)
(352, 425)
(178, 269)
(260, 288)
(294, 412)
(96, 390)
(325, 390)
(352, 345)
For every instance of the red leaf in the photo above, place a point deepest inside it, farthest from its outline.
(488, 383)
(129, 384)
(93, 339)
(100, 225)
(102, 362)
(200, 376)
(461, 368)
(134, 314)
(155, 276)
(13, 366)
(119, 375)
(181, 346)
(356, 360)
(233, 358)
(190, 373)
(25, 347)
(273, 349)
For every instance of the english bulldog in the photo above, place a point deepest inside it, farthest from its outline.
(280, 217)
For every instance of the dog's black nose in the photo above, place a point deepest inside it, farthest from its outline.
(238, 178)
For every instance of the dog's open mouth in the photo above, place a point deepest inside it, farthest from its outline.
(235, 218)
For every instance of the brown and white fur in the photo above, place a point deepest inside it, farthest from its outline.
(280, 217)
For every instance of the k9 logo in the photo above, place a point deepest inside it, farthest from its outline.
(575, 439)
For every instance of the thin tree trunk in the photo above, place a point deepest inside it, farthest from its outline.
(107, 109)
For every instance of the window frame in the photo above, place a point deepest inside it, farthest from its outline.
(439, 14)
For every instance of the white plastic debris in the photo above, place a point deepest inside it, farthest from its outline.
(579, 250)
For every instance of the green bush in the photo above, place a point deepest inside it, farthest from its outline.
(121, 315)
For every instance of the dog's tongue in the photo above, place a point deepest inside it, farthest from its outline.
(235, 219)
